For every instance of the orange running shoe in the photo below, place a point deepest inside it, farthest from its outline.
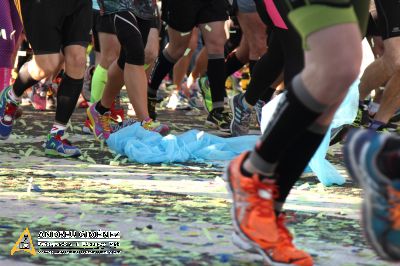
(286, 251)
(256, 226)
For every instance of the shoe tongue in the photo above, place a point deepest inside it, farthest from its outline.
(59, 132)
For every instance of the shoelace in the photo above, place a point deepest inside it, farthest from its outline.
(10, 111)
(394, 201)
(262, 203)
(105, 122)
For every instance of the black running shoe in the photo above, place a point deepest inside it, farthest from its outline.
(219, 119)
(362, 118)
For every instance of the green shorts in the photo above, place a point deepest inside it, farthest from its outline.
(312, 15)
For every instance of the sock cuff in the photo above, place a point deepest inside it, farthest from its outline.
(100, 69)
(217, 105)
(262, 167)
(318, 129)
(71, 80)
(302, 94)
(216, 56)
(168, 57)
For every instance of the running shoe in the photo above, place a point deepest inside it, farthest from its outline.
(151, 125)
(258, 108)
(219, 119)
(87, 82)
(57, 146)
(379, 127)
(206, 93)
(100, 124)
(338, 134)
(51, 102)
(381, 205)
(117, 114)
(8, 112)
(86, 129)
(257, 229)
(362, 117)
(38, 96)
(126, 123)
(240, 123)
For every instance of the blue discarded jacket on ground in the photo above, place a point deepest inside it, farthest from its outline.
(143, 146)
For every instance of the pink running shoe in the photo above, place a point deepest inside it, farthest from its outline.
(100, 124)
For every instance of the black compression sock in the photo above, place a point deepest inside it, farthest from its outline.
(296, 111)
(232, 64)
(252, 63)
(215, 73)
(163, 65)
(267, 95)
(101, 109)
(67, 97)
(295, 160)
(23, 81)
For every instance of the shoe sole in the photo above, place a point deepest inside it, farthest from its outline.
(238, 237)
(357, 174)
(55, 153)
(215, 126)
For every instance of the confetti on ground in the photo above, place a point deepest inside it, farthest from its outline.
(168, 214)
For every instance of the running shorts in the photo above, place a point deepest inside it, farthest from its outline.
(95, 33)
(246, 6)
(105, 24)
(51, 25)
(184, 15)
(388, 18)
(309, 16)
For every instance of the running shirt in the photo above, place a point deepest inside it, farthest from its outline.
(144, 9)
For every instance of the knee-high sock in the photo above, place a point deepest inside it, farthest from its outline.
(99, 81)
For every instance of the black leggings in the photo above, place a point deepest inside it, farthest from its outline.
(285, 54)
(132, 33)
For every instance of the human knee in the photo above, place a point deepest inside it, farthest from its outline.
(215, 44)
(344, 69)
(176, 50)
(75, 60)
(43, 66)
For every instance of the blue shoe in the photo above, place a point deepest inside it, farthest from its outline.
(381, 205)
(56, 146)
(8, 111)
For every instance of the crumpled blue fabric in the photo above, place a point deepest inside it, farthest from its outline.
(347, 112)
(143, 146)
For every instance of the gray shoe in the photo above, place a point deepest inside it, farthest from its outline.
(258, 107)
(240, 124)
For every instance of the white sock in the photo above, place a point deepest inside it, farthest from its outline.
(57, 127)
